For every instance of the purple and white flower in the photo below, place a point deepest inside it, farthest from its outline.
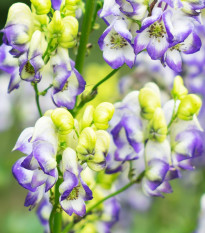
(116, 45)
(74, 191)
(67, 83)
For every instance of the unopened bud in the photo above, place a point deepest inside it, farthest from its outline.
(103, 114)
(42, 7)
(179, 91)
(69, 34)
(158, 126)
(56, 26)
(87, 118)
(101, 149)
(63, 120)
(149, 101)
(86, 144)
(189, 106)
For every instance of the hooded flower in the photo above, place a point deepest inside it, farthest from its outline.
(68, 83)
(116, 45)
(152, 35)
(74, 191)
(28, 172)
(19, 28)
(31, 62)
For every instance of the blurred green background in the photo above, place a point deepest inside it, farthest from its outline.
(176, 213)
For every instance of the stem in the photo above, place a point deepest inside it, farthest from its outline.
(55, 220)
(104, 79)
(44, 92)
(71, 224)
(37, 99)
(93, 92)
(86, 28)
(152, 7)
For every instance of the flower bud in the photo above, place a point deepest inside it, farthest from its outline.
(103, 114)
(179, 91)
(189, 106)
(69, 7)
(86, 144)
(158, 126)
(42, 7)
(149, 101)
(87, 118)
(63, 120)
(97, 163)
(56, 26)
(69, 34)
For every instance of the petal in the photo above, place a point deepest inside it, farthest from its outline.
(45, 154)
(174, 60)
(23, 143)
(22, 175)
(74, 206)
(45, 130)
(157, 47)
(69, 161)
(33, 198)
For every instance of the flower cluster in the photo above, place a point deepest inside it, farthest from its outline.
(165, 29)
(36, 41)
(57, 149)
(165, 137)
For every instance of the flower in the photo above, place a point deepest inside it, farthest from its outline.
(74, 191)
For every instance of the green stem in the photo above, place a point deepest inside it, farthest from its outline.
(55, 220)
(44, 92)
(86, 28)
(71, 224)
(37, 99)
(92, 93)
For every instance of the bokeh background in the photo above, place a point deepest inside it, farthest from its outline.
(176, 213)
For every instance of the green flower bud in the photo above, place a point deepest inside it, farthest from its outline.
(69, 34)
(97, 163)
(157, 126)
(42, 7)
(103, 114)
(189, 106)
(63, 120)
(179, 91)
(69, 7)
(87, 118)
(86, 144)
(149, 101)
(56, 26)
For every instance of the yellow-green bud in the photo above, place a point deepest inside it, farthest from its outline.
(179, 91)
(157, 126)
(42, 7)
(69, 34)
(189, 106)
(97, 163)
(103, 114)
(148, 101)
(63, 120)
(69, 7)
(86, 144)
(87, 118)
(56, 26)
